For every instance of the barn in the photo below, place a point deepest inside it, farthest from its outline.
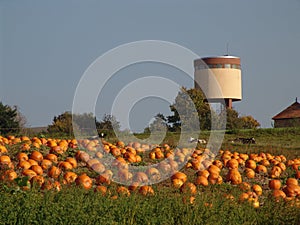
(289, 117)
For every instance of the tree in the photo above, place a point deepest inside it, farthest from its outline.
(205, 114)
(234, 121)
(248, 122)
(159, 124)
(61, 124)
(84, 123)
(8, 119)
(109, 124)
(183, 104)
(21, 119)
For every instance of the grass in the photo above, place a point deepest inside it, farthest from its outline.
(77, 206)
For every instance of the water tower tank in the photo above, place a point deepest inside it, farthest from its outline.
(224, 71)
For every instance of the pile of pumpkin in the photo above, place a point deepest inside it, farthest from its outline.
(51, 163)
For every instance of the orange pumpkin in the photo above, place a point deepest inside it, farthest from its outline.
(24, 165)
(257, 189)
(278, 194)
(275, 172)
(38, 169)
(29, 173)
(38, 180)
(141, 178)
(51, 157)
(232, 164)
(291, 180)
(84, 181)
(5, 159)
(37, 156)
(123, 191)
(250, 164)
(275, 184)
(9, 175)
(234, 176)
(204, 173)
(146, 190)
(188, 188)
(261, 169)
(201, 180)
(73, 162)
(46, 164)
(179, 175)
(177, 183)
(98, 167)
(22, 156)
(54, 172)
(101, 189)
(70, 177)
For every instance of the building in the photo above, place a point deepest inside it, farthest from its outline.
(219, 78)
(289, 117)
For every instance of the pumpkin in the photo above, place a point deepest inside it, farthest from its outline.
(261, 169)
(38, 169)
(84, 181)
(37, 156)
(291, 180)
(9, 175)
(204, 173)
(141, 177)
(257, 189)
(245, 186)
(5, 159)
(188, 188)
(213, 169)
(277, 194)
(98, 167)
(146, 190)
(234, 176)
(70, 177)
(24, 165)
(275, 184)
(46, 164)
(153, 174)
(123, 191)
(177, 183)
(179, 175)
(232, 164)
(275, 172)
(65, 165)
(54, 172)
(22, 156)
(101, 189)
(292, 190)
(38, 180)
(29, 173)
(251, 164)
(201, 180)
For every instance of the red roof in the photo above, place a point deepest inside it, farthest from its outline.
(293, 111)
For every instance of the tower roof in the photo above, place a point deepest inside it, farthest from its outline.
(293, 111)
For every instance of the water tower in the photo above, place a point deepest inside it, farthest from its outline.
(221, 71)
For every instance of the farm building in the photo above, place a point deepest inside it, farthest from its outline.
(289, 117)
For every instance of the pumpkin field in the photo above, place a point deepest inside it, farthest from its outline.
(50, 180)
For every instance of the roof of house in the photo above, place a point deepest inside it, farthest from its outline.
(293, 111)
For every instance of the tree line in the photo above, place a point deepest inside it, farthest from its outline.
(11, 120)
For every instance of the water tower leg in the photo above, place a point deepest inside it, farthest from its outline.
(228, 103)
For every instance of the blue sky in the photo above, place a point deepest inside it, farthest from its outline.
(45, 47)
